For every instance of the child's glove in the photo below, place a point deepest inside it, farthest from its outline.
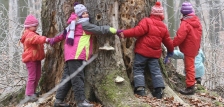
(51, 41)
(47, 40)
(169, 54)
(166, 60)
(119, 33)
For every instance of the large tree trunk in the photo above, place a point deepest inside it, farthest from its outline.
(109, 64)
(100, 74)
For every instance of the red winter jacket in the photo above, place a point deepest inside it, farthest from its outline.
(33, 46)
(151, 32)
(188, 36)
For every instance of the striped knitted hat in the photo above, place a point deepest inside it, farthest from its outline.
(157, 9)
(186, 8)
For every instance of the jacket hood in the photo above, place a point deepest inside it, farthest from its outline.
(192, 20)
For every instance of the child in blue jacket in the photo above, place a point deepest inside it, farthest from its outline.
(199, 63)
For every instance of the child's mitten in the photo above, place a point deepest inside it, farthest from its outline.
(169, 54)
(119, 33)
(166, 60)
(51, 41)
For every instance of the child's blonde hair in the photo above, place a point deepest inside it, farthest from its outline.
(21, 34)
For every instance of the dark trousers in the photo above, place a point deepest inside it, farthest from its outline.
(77, 82)
(140, 62)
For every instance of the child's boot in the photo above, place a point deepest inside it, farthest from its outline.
(198, 80)
(37, 94)
(60, 103)
(140, 91)
(31, 98)
(188, 90)
(158, 93)
(84, 103)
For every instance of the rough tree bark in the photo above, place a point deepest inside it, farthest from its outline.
(109, 64)
(101, 73)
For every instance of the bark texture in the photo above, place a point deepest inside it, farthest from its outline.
(101, 73)
(54, 15)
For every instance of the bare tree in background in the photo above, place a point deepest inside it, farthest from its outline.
(171, 16)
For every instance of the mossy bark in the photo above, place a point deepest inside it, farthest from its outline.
(117, 94)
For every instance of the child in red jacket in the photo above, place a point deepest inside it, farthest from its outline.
(188, 38)
(150, 33)
(32, 55)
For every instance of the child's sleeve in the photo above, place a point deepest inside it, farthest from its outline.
(36, 39)
(181, 34)
(203, 56)
(167, 41)
(61, 36)
(177, 55)
(139, 30)
(101, 30)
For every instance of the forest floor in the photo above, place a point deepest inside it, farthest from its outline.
(202, 98)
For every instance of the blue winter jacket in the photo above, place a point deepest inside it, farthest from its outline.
(199, 60)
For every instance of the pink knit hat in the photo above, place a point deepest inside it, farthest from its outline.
(31, 21)
(157, 9)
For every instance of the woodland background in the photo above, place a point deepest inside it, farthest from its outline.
(13, 72)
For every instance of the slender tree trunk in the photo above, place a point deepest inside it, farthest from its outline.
(12, 31)
(216, 37)
(171, 16)
(198, 9)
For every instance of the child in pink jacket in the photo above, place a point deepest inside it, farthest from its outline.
(77, 48)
